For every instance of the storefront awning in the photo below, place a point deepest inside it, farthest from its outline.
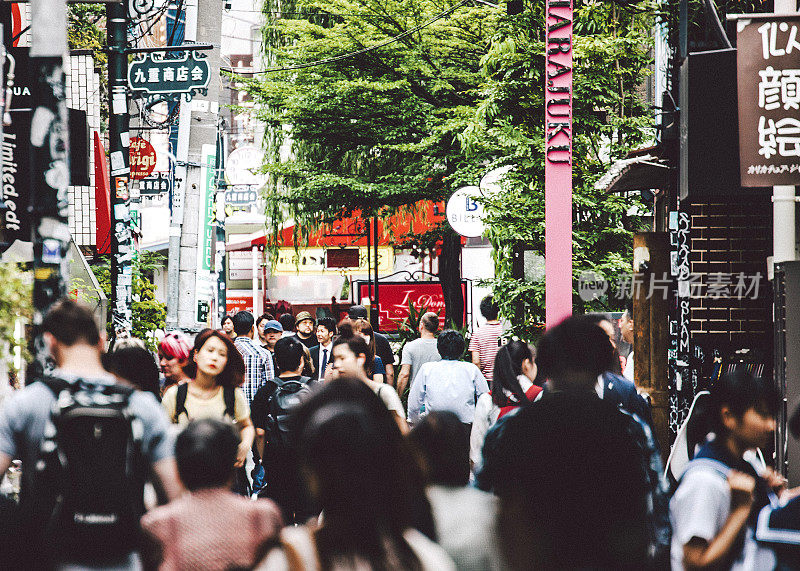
(643, 172)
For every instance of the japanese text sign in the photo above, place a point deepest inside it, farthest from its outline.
(156, 184)
(768, 77)
(153, 73)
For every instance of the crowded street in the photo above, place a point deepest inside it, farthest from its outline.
(399, 285)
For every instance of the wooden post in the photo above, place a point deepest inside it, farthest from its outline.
(651, 327)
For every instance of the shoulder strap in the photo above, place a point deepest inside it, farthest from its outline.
(722, 469)
(55, 384)
(229, 396)
(180, 401)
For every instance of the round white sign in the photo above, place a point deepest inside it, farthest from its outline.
(241, 163)
(464, 213)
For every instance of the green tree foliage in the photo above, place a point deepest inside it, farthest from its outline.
(149, 314)
(86, 31)
(377, 132)
(611, 117)
(16, 294)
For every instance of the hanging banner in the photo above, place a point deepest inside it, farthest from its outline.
(558, 161)
(205, 281)
(768, 78)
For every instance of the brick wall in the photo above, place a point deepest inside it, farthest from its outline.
(732, 238)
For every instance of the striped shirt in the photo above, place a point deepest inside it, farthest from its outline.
(486, 341)
(258, 367)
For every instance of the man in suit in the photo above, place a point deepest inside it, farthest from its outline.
(321, 354)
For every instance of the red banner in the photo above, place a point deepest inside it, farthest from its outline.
(395, 296)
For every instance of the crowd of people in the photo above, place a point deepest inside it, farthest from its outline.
(290, 444)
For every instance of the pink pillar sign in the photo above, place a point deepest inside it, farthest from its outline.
(558, 162)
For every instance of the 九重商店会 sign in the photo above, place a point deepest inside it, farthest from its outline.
(153, 73)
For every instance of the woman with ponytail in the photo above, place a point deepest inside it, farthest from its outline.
(512, 386)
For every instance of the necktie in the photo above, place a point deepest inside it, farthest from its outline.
(324, 363)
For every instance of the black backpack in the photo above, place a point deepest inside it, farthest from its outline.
(86, 494)
(286, 396)
(228, 395)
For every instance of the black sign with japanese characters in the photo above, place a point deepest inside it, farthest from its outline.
(768, 76)
(153, 73)
(157, 184)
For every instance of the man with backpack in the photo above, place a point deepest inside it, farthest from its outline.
(85, 443)
(270, 413)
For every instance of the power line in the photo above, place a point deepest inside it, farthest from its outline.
(365, 50)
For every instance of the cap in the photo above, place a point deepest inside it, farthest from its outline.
(274, 325)
(302, 316)
(176, 345)
(357, 311)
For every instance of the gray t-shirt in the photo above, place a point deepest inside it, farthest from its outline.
(418, 352)
(25, 415)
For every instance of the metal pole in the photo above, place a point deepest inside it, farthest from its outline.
(49, 165)
(783, 197)
(122, 247)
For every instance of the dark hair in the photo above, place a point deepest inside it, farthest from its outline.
(287, 321)
(288, 353)
(369, 486)
(309, 367)
(450, 344)
(232, 375)
(629, 308)
(507, 367)
(740, 391)
(576, 346)
(243, 322)
(361, 325)
(264, 317)
(136, 365)
(489, 309)
(71, 322)
(597, 319)
(205, 452)
(227, 317)
(328, 323)
(357, 346)
(441, 442)
(430, 321)
(357, 311)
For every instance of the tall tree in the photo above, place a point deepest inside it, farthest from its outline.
(611, 117)
(377, 131)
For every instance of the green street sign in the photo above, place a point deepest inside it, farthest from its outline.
(153, 74)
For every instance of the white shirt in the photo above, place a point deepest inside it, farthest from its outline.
(486, 414)
(699, 508)
(446, 385)
(628, 372)
(465, 524)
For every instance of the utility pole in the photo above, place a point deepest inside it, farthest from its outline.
(49, 165)
(783, 197)
(122, 248)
